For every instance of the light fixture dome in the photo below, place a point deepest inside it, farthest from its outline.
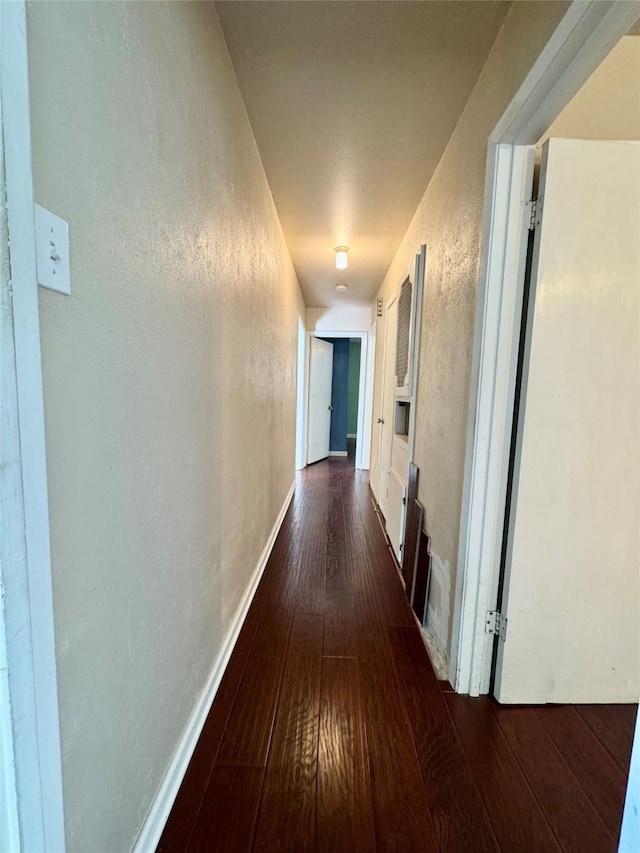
(341, 257)
(341, 288)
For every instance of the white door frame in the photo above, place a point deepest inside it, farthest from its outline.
(380, 484)
(28, 624)
(365, 394)
(416, 332)
(301, 410)
(367, 437)
(586, 34)
(376, 338)
(416, 273)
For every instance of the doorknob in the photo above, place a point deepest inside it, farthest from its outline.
(330, 408)
(380, 421)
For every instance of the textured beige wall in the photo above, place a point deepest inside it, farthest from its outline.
(348, 319)
(608, 105)
(449, 221)
(169, 378)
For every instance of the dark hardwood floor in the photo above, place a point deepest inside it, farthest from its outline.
(330, 731)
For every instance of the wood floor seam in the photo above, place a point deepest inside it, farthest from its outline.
(535, 796)
(543, 806)
(273, 721)
(625, 769)
(469, 771)
(424, 786)
(493, 817)
(608, 829)
(599, 775)
(235, 692)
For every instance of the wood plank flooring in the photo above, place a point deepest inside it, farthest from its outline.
(330, 731)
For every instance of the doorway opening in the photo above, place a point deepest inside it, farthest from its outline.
(345, 392)
(335, 397)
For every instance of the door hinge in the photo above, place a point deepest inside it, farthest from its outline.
(532, 214)
(496, 623)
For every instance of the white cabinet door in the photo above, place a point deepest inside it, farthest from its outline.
(395, 512)
(320, 381)
(571, 586)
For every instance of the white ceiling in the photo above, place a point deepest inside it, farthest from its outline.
(352, 105)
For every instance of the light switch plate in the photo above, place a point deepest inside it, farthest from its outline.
(52, 250)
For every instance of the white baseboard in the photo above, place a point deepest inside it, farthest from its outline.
(338, 453)
(154, 824)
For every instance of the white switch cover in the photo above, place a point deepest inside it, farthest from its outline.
(52, 250)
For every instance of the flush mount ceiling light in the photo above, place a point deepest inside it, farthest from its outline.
(341, 288)
(341, 257)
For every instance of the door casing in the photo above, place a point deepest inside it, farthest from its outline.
(385, 426)
(365, 392)
(301, 411)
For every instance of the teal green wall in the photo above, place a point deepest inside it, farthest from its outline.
(354, 382)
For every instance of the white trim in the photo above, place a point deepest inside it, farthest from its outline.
(365, 393)
(494, 363)
(301, 413)
(366, 435)
(363, 448)
(583, 38)
(416, 331)
(383, 472)
(9, 450)
(147, 840)
(305, 398)
(338, 453)
(9, 820)
(31, 650)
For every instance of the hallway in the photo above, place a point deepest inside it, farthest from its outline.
(331, 732)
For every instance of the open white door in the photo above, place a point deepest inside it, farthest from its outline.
(320, 380)
(571, 592)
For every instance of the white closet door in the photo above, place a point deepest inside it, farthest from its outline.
(572, 583)
(394, 519)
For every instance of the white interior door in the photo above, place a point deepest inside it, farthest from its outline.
(320, 380)
(388, 401)
(571, 587)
